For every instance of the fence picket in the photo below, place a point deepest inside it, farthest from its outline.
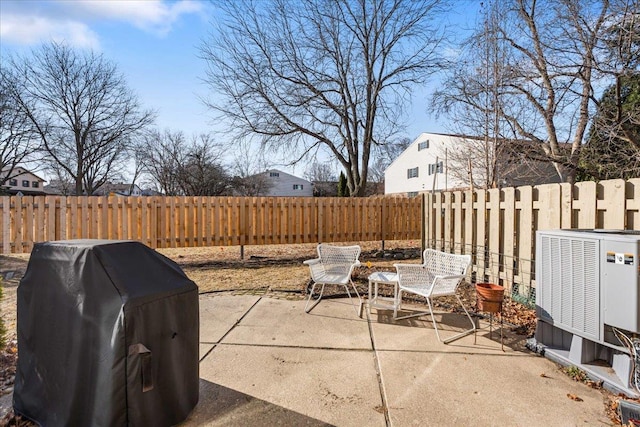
(496, 226)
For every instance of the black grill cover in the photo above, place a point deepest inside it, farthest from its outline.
(107, 335)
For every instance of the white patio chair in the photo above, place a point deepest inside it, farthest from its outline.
(438, 276)
(333, 266)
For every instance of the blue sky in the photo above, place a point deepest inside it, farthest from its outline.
(155, 45)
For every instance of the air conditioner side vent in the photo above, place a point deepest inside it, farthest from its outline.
(568, 287)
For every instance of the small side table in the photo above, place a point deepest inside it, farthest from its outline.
(384, 278)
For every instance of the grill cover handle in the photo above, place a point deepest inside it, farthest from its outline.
(145, 365)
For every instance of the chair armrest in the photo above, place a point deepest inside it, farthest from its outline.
(357, 263)
(446, 285)
(312, 261)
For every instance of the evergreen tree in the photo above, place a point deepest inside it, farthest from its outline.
(613, 145)
(343, 190)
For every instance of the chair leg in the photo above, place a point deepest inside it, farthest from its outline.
(463, 333)
(306, 307)
(397, 303)
(359, 307)
(399, 307)
(435, 324)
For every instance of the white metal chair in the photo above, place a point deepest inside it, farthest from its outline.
(333, 266)
(438, 276)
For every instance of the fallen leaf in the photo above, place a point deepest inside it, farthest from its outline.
(574, 397)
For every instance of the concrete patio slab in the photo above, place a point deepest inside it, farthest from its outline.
(418, 334)
(222, 406)
(219, 313)
(203, 350)
(338, 387)
(448, 388)
(265, 362)
(331, 324)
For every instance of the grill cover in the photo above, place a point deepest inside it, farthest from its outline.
(107, 335)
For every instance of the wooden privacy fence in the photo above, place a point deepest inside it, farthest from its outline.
(497, 227)
(161, 222)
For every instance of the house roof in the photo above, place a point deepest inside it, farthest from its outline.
(21, 170)
(282, 173)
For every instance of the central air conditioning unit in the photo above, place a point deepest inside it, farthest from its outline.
(588, 288)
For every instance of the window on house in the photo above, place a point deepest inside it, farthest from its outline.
(35, 184)
(435, 168)
(298, 186)
(423, 145)
(412, 173)
(25, 182)
(13, 182)
(412, 194)
(274, 174)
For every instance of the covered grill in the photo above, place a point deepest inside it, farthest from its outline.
(107, 335)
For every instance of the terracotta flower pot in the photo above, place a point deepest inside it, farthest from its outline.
(489, 297)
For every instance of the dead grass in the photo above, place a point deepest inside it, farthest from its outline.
(276, 268)
(272, 268)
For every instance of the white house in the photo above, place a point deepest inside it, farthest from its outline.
(427, 164)
(22, 181)
(423, 166)
(284, 184)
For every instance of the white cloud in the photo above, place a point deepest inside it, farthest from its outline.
(156, 16)
(32, 22)
(27, 30)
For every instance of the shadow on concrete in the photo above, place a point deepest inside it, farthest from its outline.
(223, 406)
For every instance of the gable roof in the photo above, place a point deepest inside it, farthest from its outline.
(20, 170)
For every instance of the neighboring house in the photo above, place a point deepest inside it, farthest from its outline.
(118, 190)
(422, 166)
(284, 184)
(23, 181)
(426, 165)
(57, 187)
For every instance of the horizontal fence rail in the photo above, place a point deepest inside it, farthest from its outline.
(498, 226)
(162, 222)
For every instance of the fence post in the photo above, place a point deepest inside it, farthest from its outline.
(423, 226)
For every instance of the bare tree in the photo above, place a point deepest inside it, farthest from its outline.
(184, 167)
(323, 178)
(81, 108)
(545, 79)
(552, 70)
(202, 173)
(470, 97)
(162, 155)
(317, 171)
(18, 141)
(307, 75)
(386, 154)
(249, 166)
